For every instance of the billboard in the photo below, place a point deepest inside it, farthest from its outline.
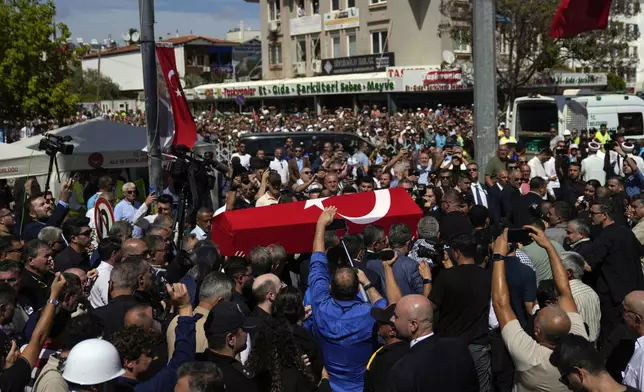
(358, 64)
(247, 61)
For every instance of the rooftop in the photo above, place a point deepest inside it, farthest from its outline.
(176, 41)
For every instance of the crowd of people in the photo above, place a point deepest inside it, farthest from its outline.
(524, 274)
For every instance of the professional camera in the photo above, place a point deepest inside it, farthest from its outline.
(429, 250)
(53, 144)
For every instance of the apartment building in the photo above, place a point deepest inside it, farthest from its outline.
(299, 35)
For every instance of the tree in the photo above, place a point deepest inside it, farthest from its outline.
(615, 83)
(87, 83)
(36, 67)
(131, 32)
(524, 45)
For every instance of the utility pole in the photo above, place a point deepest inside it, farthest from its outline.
(148, 53)
(98, 78)
(485, 106)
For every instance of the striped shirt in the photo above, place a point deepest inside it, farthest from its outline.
(587, 302)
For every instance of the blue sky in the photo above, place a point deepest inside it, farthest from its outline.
(91, 19)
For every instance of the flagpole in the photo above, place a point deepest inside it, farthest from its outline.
(148, 54)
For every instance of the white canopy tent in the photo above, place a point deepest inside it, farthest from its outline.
(97, 143)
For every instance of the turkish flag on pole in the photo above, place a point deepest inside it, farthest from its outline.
(185, 129)
(574, 17)
(292, 225)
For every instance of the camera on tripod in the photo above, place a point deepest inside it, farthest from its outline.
(53, 144)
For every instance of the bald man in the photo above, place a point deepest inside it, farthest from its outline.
(452, 367)
(634, 318)
(531, 356)
(134, 247)
(265, 290)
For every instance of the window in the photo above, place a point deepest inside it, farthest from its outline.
(273, 9)
(275, 54)
(336, 50)
(335, 5)
(634, 51)
(460, 41)
(351, 3)
(352, 47)
(315, 4)
(300, 50)
(372, 2)
(632, 123)
(379, 42)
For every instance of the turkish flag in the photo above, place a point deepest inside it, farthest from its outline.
(185, 129)
(292, 225)
(574, 17)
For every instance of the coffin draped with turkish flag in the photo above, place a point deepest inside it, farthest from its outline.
(292, 225)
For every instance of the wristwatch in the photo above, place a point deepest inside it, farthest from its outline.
(497, 257)
(54, 302)
(427, 281)
(367, 286)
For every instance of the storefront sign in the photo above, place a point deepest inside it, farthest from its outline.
(306, 25)
(428, 79)
(321, 88)
(358, 64)
(338, 20)
(567, 79)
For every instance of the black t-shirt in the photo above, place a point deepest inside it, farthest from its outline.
(242, 204)
(462, 296)
(34, 288)
(16, 378)
(69, 258)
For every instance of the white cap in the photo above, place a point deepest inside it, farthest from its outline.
(93, 362)
(574, 147)
(594, 146)
(567, 133)
(628, 147)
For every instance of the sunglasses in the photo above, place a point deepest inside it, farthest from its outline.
(472, 170)
(306, 172)
(445, 177)
(85, 233)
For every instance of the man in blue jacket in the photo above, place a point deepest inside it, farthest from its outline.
(42, 214)
(342, 322)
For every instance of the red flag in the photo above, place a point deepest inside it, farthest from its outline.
(574, 17)
(185, 129)
(293, 224)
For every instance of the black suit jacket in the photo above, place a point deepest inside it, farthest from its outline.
(509, 196)
(31, 229)
(436, 364)
(494, 202)
(521, 214)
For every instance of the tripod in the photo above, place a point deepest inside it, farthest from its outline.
(52, 162)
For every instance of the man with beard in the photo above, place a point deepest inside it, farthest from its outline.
(578, 237)
(44, 214)
(572, 186)
(7, 222)
(38, 273)
(79, 236)
(383, 359)
(510, 194)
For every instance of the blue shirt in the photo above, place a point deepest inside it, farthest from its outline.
(441, 140)
(344, 329)
(405, 272)
(634, 183)
(125, 210)
(92, 201)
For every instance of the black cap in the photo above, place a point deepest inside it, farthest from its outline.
(383, 316)
(225, 317)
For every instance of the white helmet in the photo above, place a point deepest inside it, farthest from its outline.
(92, 362)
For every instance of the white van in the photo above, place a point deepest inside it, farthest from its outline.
(534, 115)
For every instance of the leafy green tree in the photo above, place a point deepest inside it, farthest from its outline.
(524, 45)
(87, 83)
(36, 67)
(615, 83)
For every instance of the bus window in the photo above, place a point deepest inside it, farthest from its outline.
(632, 123)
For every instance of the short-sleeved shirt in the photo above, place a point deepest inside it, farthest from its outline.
(532, 360)
(494, 165)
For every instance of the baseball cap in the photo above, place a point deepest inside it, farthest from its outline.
(225, 317)
(383, 315)
(574, 147)
(567, 133)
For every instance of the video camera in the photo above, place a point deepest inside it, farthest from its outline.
(53, 144)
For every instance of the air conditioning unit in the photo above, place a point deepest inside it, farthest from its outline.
(274, 26)
(300, 68)
(317, 66)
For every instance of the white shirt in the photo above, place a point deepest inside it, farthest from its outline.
(98, 296)
(537, 169)
(198, 231)
(420, 339)
(280, 166)
(592, 168)
(481, 192)
(635, 368)
(243, 159)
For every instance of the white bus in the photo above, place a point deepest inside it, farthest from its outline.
(534, 115)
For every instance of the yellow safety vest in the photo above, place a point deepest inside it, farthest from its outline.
(601, 138)
(78, 196)
(142, 192)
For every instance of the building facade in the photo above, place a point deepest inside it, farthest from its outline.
(301, 34)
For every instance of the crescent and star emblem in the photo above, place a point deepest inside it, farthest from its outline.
(177, 91)
(380, 208)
